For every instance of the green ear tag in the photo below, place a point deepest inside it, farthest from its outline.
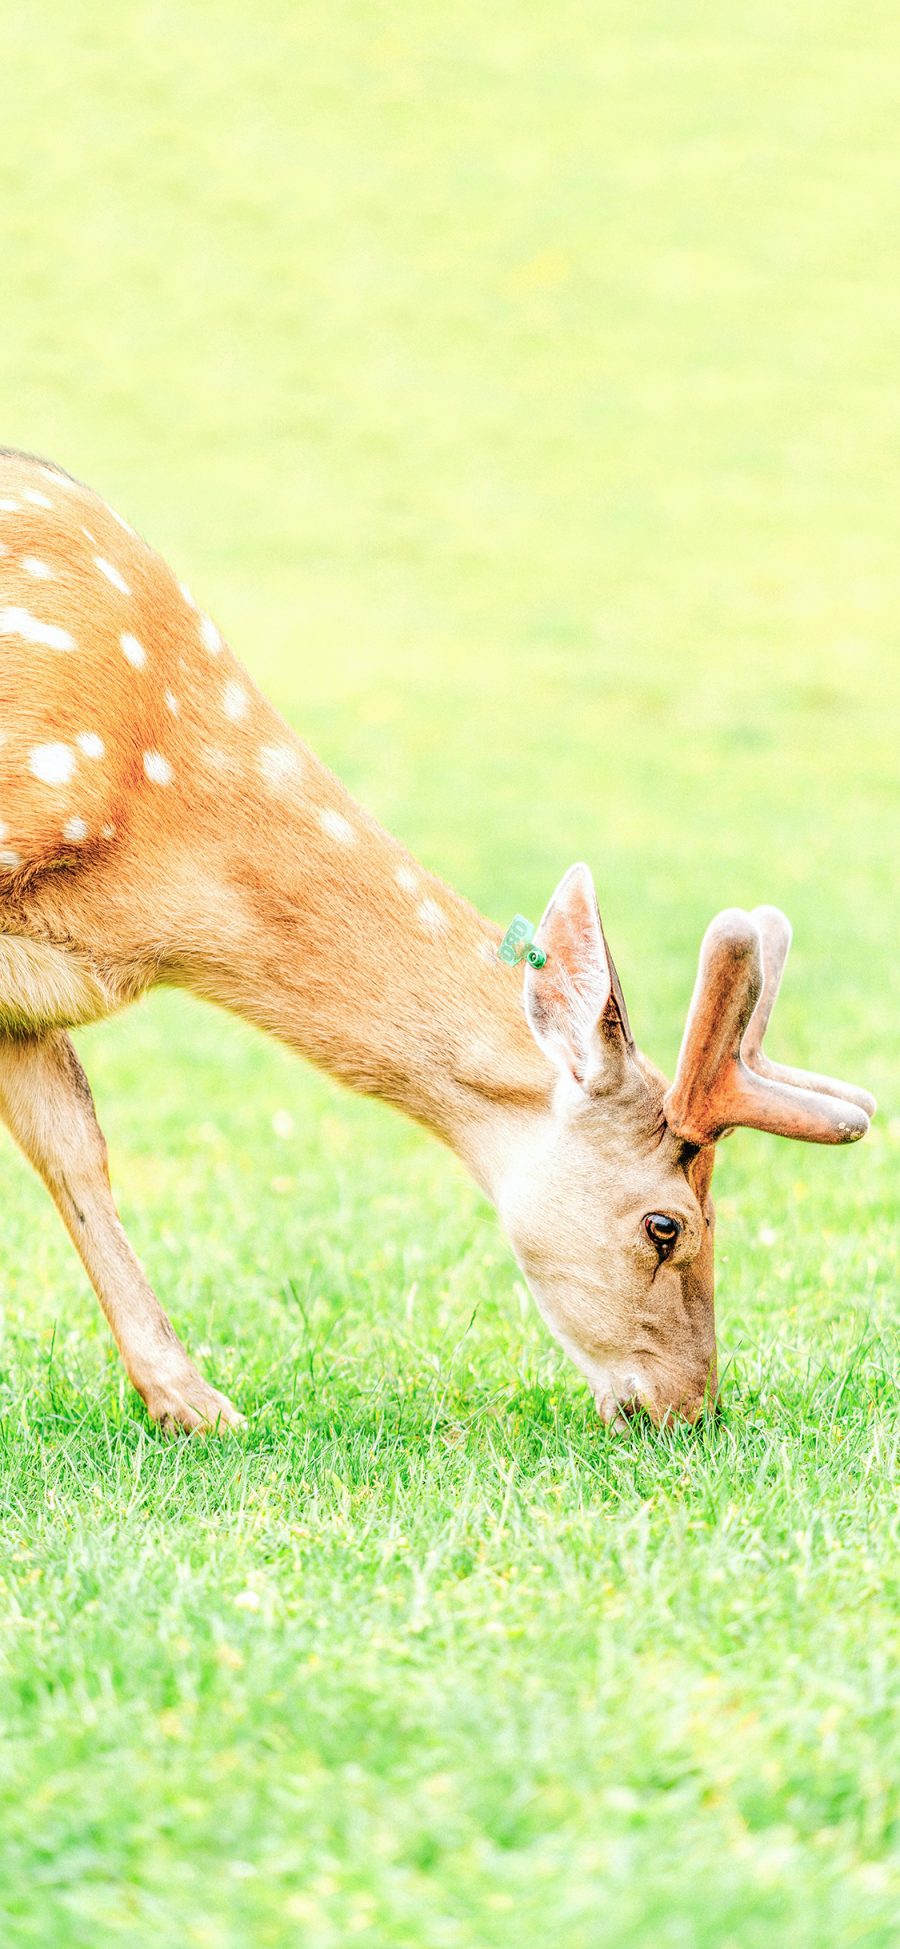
(518, 944)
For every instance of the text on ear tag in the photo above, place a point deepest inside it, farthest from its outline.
(518, 944)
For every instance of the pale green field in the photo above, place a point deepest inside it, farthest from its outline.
(518, 388)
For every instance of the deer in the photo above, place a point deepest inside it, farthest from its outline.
(160, 823)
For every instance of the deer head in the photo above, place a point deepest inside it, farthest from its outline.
(608, 1203)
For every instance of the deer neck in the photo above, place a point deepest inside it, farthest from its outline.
(330, 936)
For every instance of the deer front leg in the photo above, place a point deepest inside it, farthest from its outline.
(46, 1101)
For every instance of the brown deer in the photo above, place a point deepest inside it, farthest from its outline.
(159, 822)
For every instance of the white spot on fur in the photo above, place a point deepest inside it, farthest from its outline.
(209, 636)
(41, 571)
(112, 574)
(337, 827)
(157, 768)
(8, 857)
(53, 764)
(279, 764)
(37, 499)
(90, 744)
(432, 915)
(120, 519)
(134, 650)
(407, 879)
(75, 829)
(3, 548)
(60, 480)
(107, 832)
(185, 591)
(18, 622)
(234, 702)
(93, 538)
(10, 507)
(172, 703)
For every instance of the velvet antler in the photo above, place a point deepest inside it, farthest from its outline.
(722, 1078)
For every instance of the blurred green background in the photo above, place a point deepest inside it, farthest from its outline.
(518, 388)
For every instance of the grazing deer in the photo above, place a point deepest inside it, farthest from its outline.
(159, 822)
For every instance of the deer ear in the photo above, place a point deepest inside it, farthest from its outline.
(574, 1004)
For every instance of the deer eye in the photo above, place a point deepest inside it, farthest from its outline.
(662, 1231)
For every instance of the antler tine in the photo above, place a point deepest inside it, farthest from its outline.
(715, 1086)
(775, 935)
(726, 992)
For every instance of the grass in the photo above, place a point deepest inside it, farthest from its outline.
(518, 388)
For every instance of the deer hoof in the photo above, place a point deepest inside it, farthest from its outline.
(188, 1403)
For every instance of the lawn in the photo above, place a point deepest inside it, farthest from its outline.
(518, 388)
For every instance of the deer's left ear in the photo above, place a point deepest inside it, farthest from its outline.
(574, 1004)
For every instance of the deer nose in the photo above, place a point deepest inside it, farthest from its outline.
(663, 1405)
(691, 1406)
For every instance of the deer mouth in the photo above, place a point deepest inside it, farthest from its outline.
(617, 1411)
